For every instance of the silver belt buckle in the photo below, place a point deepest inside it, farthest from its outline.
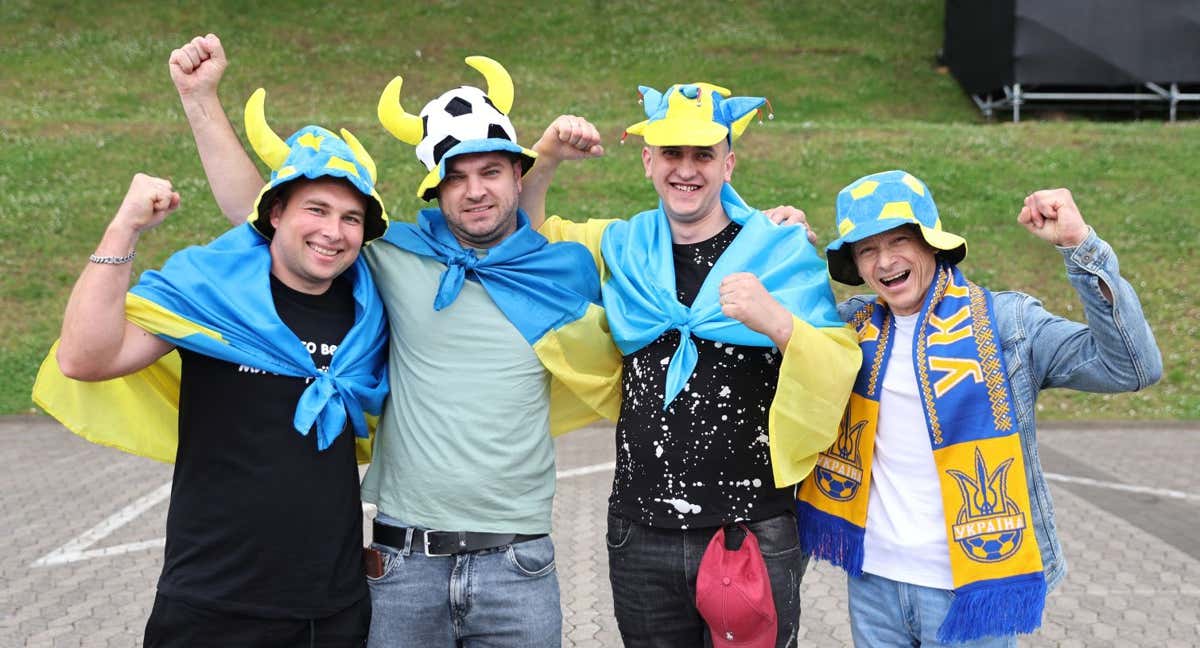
(429, 553)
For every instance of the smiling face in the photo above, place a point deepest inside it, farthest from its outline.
(478, 197)
(898, 265)
(318, 233)
(688, 179)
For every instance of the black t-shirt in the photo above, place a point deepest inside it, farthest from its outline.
(705, 460)
(261, 522)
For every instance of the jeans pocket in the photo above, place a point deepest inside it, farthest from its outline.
(619, 531)
(391, 558)
(532, 558)
(777, 536)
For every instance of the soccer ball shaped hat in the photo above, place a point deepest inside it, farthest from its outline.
(461, 121)
(311, 152)
(880, 202)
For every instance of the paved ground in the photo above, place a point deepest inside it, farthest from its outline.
(82, 529)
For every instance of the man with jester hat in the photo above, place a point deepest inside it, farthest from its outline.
(249, 363)
(735, 370)
(481, 309)
(933, 498)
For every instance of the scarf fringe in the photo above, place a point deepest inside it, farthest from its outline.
(830, 538)
(999, 607)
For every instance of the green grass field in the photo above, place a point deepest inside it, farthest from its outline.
(86, 101)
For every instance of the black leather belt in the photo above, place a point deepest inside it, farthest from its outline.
(446, 543)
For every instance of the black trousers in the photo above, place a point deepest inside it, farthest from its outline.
(174, 623)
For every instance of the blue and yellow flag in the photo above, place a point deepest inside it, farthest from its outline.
(550, 292)
(642, 304)
(819, 363)
(216, 300)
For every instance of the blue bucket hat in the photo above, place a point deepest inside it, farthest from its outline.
(311, 152)
(880, 202)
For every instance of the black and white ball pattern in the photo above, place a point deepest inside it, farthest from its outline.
(464, 113)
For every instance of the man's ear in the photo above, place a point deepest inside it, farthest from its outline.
(517, 169)
(276, 213)
(730, 161)
(647, 158)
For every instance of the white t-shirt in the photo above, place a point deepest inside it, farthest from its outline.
(906, 528)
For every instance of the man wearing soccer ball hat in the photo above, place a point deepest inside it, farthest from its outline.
(932, 497)
(478, 307)
(734, 375)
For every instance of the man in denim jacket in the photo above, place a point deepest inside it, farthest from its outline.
(930, 494)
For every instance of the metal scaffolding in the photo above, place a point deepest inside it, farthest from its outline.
(1015, 97)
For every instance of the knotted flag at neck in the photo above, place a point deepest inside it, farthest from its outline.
(999, 585)
(216, 300)
(538, 286)
(640, 294)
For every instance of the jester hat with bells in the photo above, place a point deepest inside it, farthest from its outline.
(462, 121)
(694, 114)
(311, 152)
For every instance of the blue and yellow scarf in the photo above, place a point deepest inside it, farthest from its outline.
(640, 293)
(550, 292)
(999, 584)
(216, 300)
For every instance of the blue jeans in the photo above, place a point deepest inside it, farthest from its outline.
(885, 612)
(506, 596)
(653, 575)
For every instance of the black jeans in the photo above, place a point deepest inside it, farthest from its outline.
(653, 574)
(176, 623)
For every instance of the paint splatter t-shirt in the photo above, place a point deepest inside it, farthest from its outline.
(704, 461)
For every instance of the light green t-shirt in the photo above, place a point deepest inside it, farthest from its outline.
(464, 442)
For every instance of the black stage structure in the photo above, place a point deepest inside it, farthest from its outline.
(1009, 53)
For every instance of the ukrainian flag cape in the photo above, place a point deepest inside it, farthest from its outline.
(550, 292)
(216, 300)
(999, 585)
(640, 295)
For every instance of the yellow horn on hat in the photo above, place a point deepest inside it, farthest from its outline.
(402, 124)
(500, 85)
(356, 147)
(269, 147)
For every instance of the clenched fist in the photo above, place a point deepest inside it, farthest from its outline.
(197, 66)
(1052, 216)
(148, 201)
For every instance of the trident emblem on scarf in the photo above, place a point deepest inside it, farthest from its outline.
(989, 526)
(838, 472)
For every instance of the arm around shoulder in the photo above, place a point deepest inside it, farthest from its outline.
(589, 234)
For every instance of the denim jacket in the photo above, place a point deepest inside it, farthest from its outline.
(1114, 352)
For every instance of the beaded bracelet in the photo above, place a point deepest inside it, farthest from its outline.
(112, 260)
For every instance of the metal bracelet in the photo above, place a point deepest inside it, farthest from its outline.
(112, 260)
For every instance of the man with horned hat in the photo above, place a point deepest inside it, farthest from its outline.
(249, 363)
(734, 374)
(479, 306)
(933, 498)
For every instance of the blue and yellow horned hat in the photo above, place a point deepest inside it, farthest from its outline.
(311, 152)
(880, 202)
(462, 121)
(693, 114)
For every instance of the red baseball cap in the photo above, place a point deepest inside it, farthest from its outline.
(733, 594)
